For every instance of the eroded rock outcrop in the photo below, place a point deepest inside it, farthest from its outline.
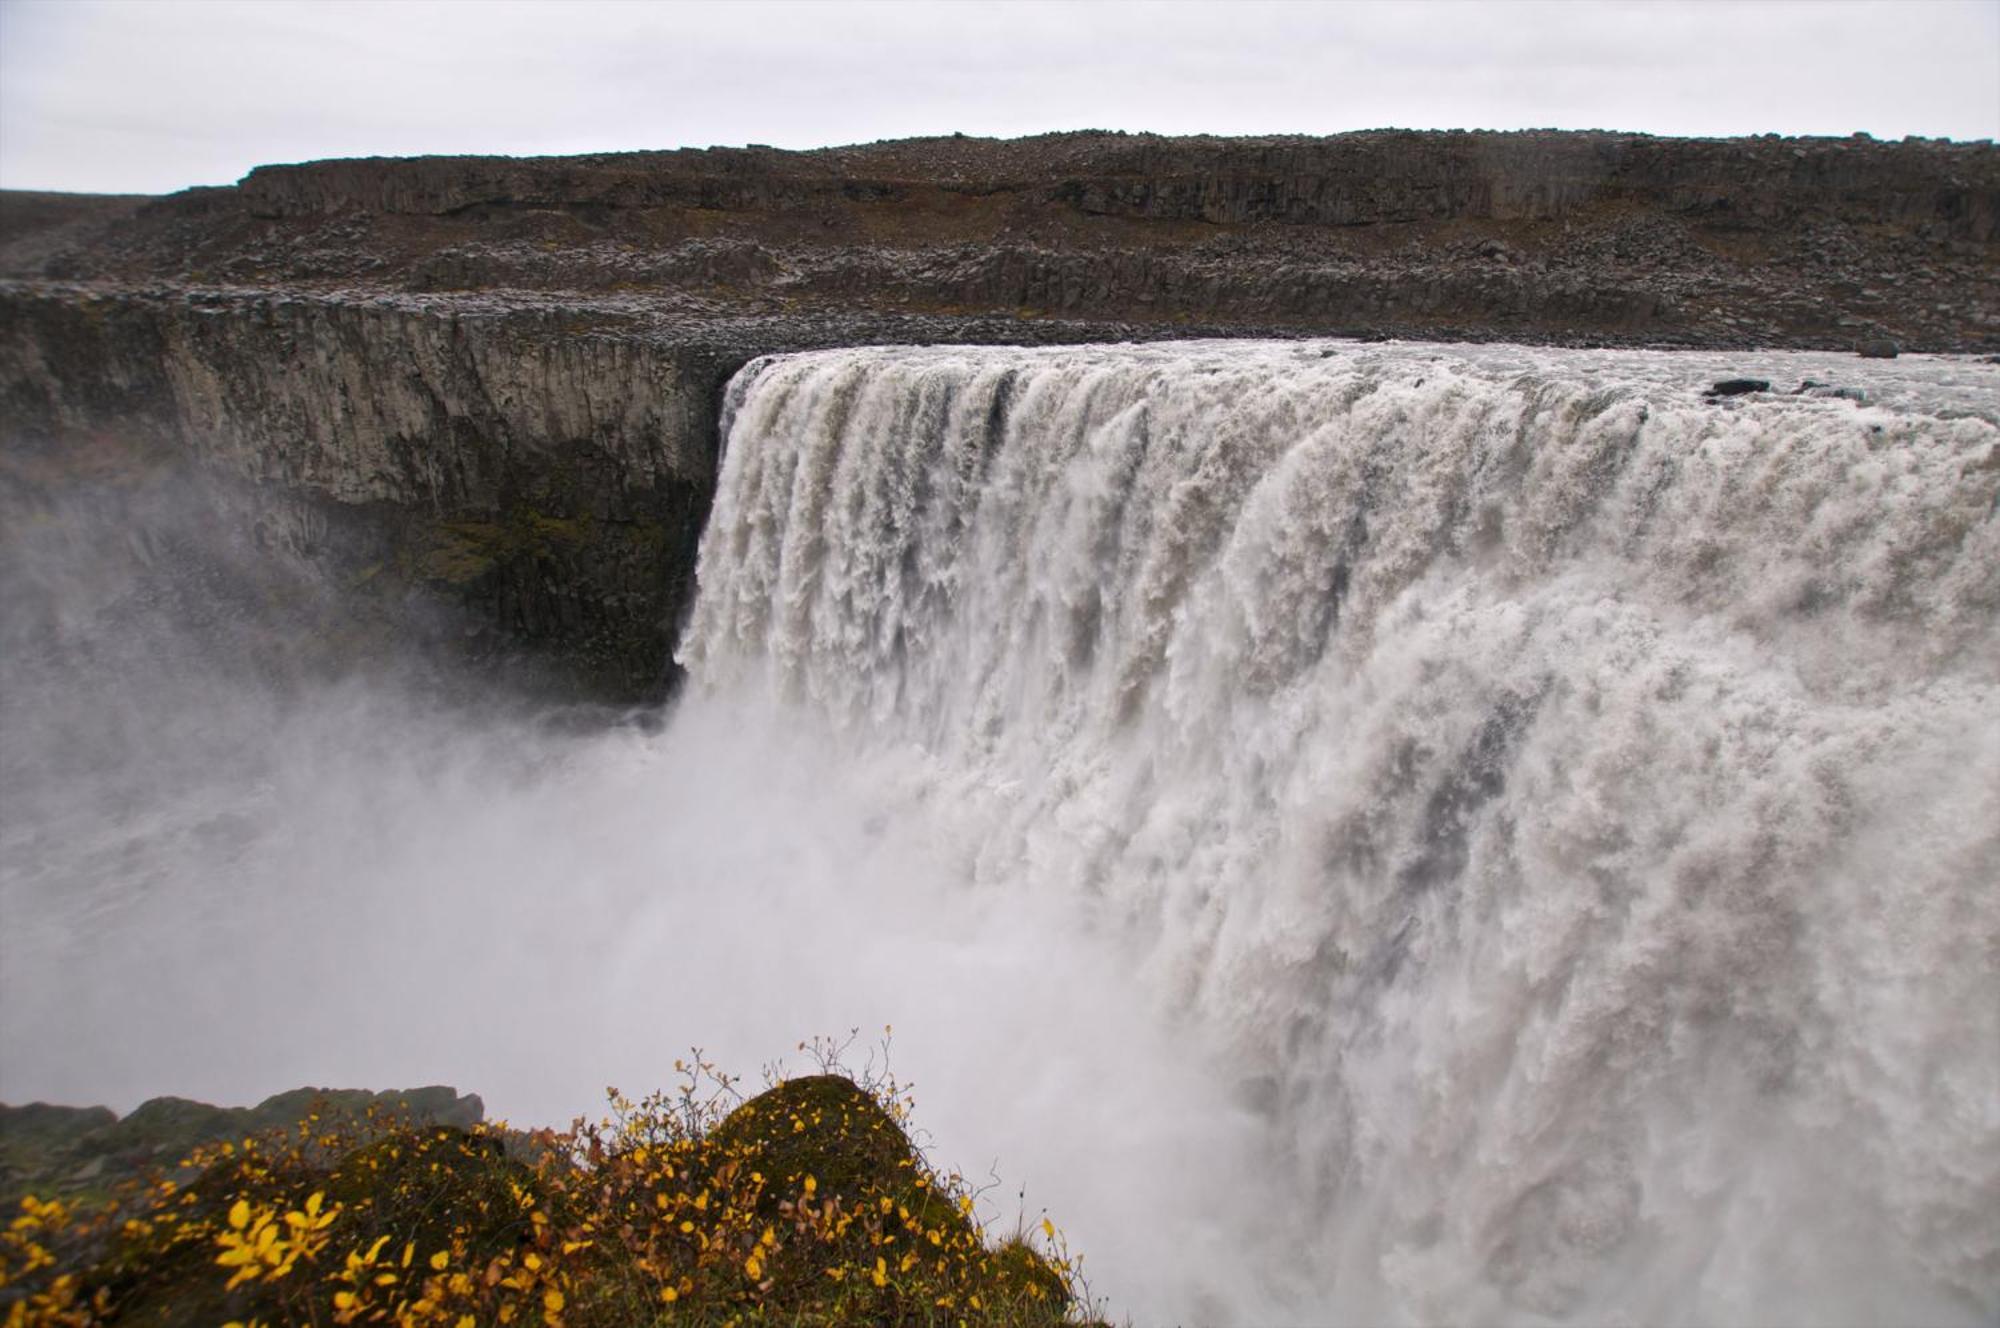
(554, 478)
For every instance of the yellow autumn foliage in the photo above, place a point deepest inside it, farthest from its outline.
(804, 1204)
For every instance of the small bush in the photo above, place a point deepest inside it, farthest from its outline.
(806, 1204)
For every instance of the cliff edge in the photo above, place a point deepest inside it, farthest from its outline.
(503, 373)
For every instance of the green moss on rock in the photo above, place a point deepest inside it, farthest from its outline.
(807, 1204)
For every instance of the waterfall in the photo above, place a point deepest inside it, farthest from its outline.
(1564, 806)
(1363, 834)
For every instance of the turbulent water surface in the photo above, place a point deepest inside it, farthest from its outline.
(1364, 834)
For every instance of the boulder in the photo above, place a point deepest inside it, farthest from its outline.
(825, 1126)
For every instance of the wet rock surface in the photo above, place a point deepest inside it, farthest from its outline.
(514, 365)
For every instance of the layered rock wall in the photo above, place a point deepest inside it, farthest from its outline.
(552, 476)
(1352, 180)
(528, 474)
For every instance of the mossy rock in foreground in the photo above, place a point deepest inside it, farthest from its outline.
(71, 1151)
(433, 1187)
(424, 1188)
(829, 1131)
(808, 1204)
(824, 1126)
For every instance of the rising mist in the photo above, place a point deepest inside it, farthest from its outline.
(1392, 834)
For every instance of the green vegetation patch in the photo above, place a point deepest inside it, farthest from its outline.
(806, 1204)
(458, 553)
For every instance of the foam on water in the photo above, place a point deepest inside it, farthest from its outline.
(1572, 803)
(1368, 834)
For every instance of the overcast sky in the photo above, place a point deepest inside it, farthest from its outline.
(153, 95)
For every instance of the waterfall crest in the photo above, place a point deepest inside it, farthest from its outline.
(1569, 806)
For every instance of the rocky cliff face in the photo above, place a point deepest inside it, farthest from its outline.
(551, 478)
(1585, 237)
(1353, 180)
(493, 382)
(527, 475)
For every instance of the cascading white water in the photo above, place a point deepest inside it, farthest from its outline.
(1568, 807)
(1364, 834)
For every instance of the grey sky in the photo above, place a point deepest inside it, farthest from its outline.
(152, 95)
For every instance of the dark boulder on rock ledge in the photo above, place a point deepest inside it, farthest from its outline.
(1881, 348)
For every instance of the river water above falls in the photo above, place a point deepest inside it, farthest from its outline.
(1362, 833)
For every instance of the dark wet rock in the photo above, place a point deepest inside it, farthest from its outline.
(1880, 348)
(1736, 387)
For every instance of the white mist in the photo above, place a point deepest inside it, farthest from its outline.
(1382, 835)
